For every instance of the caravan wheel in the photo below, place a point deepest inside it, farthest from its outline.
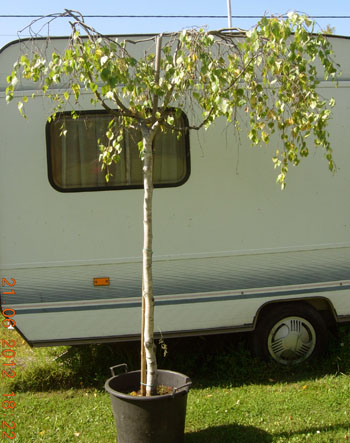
(290, 334)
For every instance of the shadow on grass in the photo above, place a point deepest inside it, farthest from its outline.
(221, 360)
(229, 433)
(225, 360)
(245, 434)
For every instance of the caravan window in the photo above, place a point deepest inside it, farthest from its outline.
(73, 159)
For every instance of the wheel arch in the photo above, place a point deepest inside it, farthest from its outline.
(321, 304)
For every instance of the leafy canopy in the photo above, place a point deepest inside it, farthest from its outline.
(270, 73)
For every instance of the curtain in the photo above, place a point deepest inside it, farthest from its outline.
(75, 162)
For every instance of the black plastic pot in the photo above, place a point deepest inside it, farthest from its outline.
(156, 419)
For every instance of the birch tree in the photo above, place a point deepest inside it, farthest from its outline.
(269, 73)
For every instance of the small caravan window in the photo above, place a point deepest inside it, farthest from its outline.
(73, 159)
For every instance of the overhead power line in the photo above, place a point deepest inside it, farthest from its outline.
(172, 16)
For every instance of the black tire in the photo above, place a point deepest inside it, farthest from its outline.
(290, 333)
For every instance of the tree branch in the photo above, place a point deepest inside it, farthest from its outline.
(156, 75)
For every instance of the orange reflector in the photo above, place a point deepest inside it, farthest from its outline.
(102, 281)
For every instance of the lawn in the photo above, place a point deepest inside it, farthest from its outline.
(59, 392)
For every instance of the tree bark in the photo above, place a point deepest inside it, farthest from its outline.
(148, 299)
(148, 352)
(143, 375)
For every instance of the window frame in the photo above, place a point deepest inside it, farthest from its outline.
(111, 187)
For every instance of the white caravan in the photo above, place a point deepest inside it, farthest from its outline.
(232, 252)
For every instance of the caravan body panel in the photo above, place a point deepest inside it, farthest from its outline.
(227, 242)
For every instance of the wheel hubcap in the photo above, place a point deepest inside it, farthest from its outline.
(291, 340)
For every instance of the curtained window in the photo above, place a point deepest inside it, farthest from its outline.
(73, 159)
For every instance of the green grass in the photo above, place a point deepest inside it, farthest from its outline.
(59, 392)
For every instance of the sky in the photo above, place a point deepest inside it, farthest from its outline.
(9, 27)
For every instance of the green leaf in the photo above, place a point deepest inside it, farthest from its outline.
(140, 145)
(93, 86)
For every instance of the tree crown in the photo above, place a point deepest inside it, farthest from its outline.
(270, 73)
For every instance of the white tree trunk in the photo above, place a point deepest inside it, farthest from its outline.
(151, 380)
